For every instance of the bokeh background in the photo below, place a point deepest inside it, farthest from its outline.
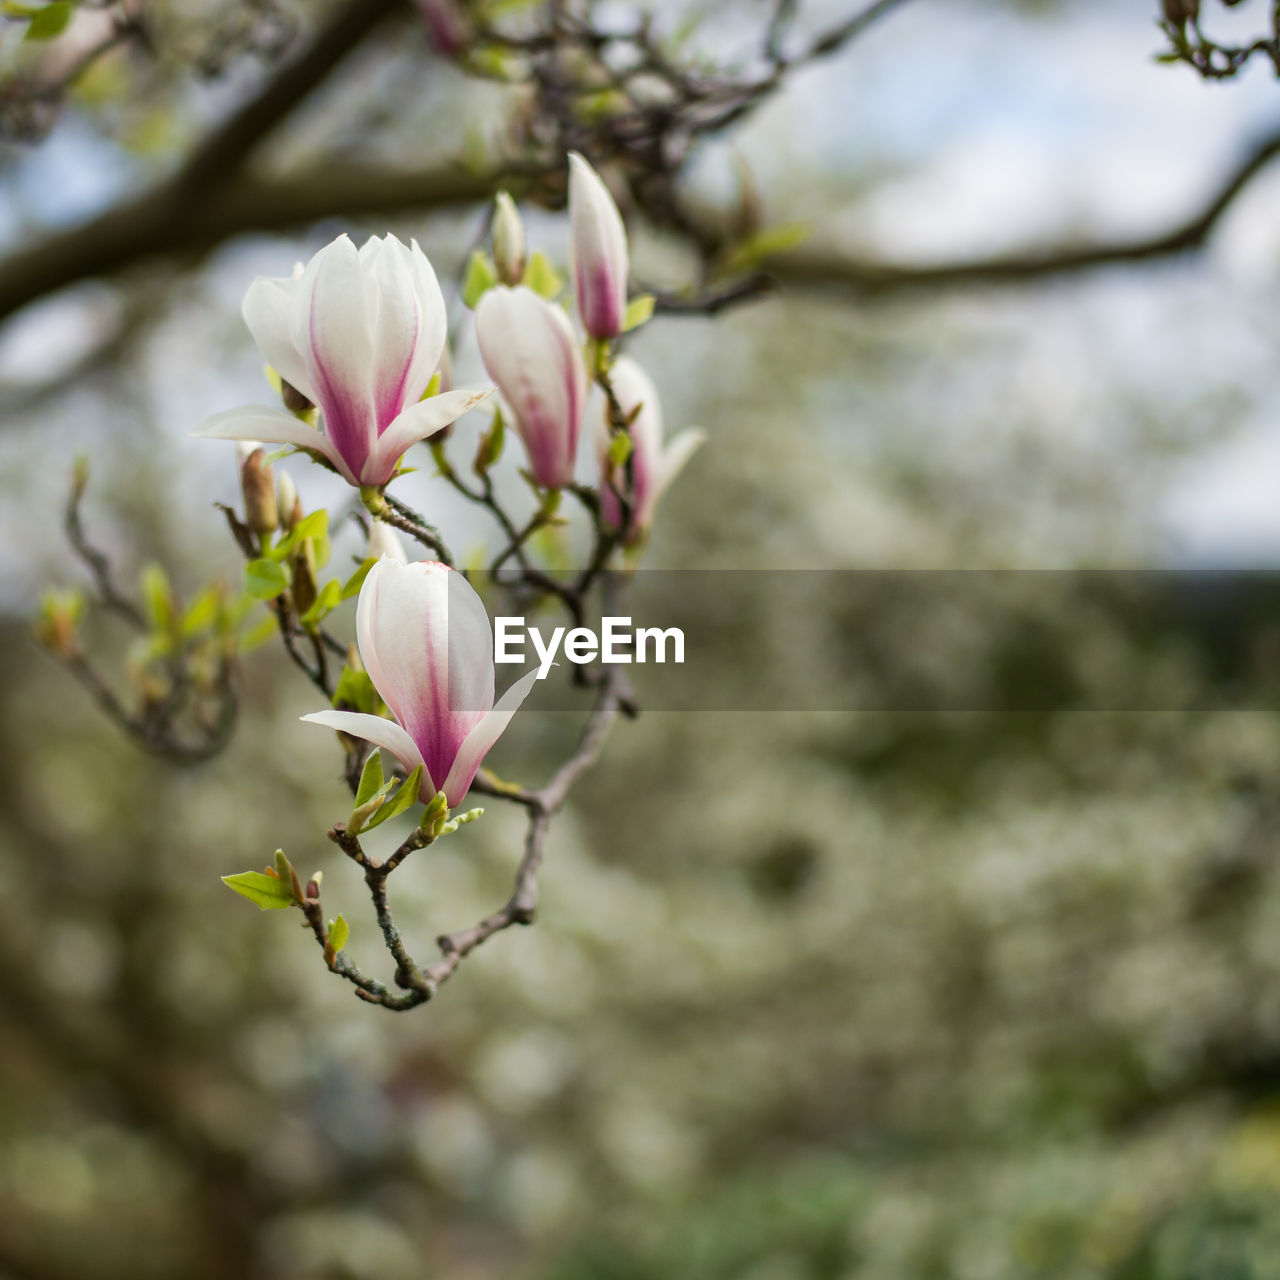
(812, 995)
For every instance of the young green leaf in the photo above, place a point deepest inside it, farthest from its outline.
(638, 311)
(355, 690)
(266, 892)
(314, 525)
(326, 602)
(203, 612)
(542, 277)
(407, 794)
(49, 21)
(370, 778)
(158, 596)
(264, 579)
(353, 584)
(339, 933)
(490, 447)
(480, 278)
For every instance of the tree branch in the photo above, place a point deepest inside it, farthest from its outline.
(810, 269)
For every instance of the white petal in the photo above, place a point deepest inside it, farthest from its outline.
(332, 330)
(477, 744)
(426, 642)
(417, 422)
(270, 426)
(382, 733)
(268, 311)
(679, 450)
(395, 321)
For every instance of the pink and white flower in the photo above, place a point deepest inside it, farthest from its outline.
(530, 351)
(359, 333)
(426, 642)
(653, 466)
(598, 251)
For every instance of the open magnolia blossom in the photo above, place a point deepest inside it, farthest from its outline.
(530, 351)
(426, 642)
(359, 333)
(598, 249)
(653, 465)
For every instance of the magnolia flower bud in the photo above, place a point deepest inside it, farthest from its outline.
(652, 466)
(508, 239)
(358, 333)
(598, 249)
(287, 502)
(304, 577)
(384, 542)
(258, 485)
(427, 644)
(530, 351)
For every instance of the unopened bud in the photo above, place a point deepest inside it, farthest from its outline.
(508, 239)
(293, 399)
(287, 502)
(304, 577)
(60, 613)
(258, 485)
(383, 542)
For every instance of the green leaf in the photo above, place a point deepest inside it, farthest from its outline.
(356, 690)
(265, 579)
(339, 933)
(638, 311)
(542, 277)
(315, 525)
(764, 244)
(407, 794)
(326, 602)
(437, 811)
(49, 21)
(266, 892)
(203, 612)
(619, 448)
(353, 584)
(370, 778)
(158, 596)
(360, 815)
(480, 278)
(433, 387)
(448, 828)
(491, 443)
(259, 633)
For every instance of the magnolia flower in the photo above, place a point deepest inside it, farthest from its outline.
(426, 643)
(598, 249)
(530, 351)
(384, 542)
(652, 466)
(359, 333)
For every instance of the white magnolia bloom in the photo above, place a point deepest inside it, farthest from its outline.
(653, 465)
(426, 642)
(359, 333)
(598, 252)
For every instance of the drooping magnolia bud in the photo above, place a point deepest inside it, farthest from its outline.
(258, 485)
(532, 354)
(598, 250)
(508, 239)
(428, 646)
(384, 542)
(288, 502)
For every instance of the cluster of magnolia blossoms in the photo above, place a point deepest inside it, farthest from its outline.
(357, 339)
